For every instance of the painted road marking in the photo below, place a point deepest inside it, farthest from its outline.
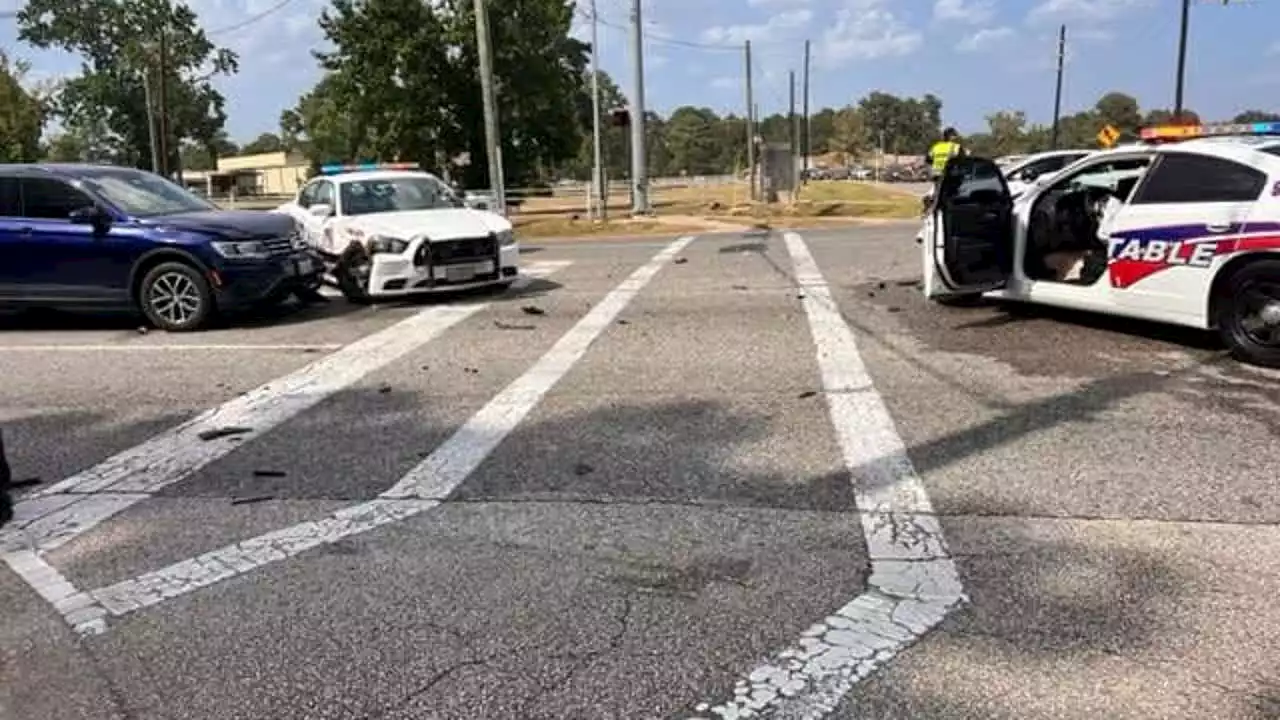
(913, 582)
(152, 346)
(422, 488)
(51, 517)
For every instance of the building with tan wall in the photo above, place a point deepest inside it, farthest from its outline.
(277, 173)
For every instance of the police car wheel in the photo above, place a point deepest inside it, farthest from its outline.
(175, 297)
(352, 274)
(1248, 316)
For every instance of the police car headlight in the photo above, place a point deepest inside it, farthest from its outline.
(384, 244)
(507, 238)
(242, 249)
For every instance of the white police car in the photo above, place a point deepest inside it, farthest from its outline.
(1184, 232)
(393, 230)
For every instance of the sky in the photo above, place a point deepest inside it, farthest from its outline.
(978, 56)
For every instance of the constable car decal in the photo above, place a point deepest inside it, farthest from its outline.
(1139, 253)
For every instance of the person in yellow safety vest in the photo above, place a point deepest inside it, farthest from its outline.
(942, 151)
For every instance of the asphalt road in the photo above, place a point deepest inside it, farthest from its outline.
(664, 478)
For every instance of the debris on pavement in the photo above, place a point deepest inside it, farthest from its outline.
(800, 295)
(893, 309)
(511, 326)
(143, 329)
(384, 389)
(624, 321)
(532, 310)
(221, 432)
(583, 469)
(807, 394)
(739, 287)
(880, 285)
(680, 260)
(25, 482)
(269, 473)
(471, 370)
(248, 499)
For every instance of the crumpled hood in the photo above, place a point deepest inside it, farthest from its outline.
(443, 224)
(230, 224)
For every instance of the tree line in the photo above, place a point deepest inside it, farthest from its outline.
(399, 84)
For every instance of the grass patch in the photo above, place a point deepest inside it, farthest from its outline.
(562, 226)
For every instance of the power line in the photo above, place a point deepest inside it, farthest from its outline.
(251, 19)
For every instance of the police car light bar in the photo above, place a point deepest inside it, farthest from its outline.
(339, 168)
(1167, 133)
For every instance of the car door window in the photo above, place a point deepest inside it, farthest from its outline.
(10, 200)
(324, 194)
(49, 199)
(1185, 178)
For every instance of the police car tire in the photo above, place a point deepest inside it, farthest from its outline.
(204, 294)
(1237, 340)
(348, 283)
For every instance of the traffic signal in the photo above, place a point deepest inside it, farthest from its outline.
(620, 117)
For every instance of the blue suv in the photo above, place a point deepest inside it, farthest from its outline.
(92, 236)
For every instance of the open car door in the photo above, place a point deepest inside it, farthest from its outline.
(968, 246)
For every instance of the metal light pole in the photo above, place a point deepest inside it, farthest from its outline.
(1057, 95)
(639, 179)
(597, 172)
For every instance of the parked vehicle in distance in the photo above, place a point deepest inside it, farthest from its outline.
(103, 237)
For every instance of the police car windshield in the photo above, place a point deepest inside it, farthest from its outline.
(394, 194)
(142, 194)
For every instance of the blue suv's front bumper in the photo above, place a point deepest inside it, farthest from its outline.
(240, 284)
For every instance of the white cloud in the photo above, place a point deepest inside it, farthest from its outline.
(762, 3)
(779, 24)
(726, 83)
(865, 30)
(985, 39)
(1096, 11)
(970, 11)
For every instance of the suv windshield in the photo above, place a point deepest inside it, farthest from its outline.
(142, 194)
(392, 194)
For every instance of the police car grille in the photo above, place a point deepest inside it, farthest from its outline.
(467, 249)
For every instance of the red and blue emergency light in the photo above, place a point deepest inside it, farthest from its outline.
(1168, 133)
(362, 167)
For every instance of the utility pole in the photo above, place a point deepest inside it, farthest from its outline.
(639, 181)
(492, 142)
(1057, 95)
(1182, 60)
(759, 176)
(751, 131)
(597, 171)
(791, 126)
(804, 144)
(151, 113)
(165, 166)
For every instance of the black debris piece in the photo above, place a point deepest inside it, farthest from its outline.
(222, 432)
(426, 367)
(808, 394)
(871, 293)
(880, 285)
(471, 370)
(532, 310)
(583, 469)
(384, 389)
(680, 260)
(25, 482)
(739, 287)
(624, 322)
(269, 473)
(893, 309)
(800, 294)
(511, 326)
(906, 283)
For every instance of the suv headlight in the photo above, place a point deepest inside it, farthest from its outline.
(242, 249)
(506, 238)
(384, 244)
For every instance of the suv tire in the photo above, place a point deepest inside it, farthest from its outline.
(176, 297)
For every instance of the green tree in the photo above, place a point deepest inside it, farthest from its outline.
(692, 140)
(1161, 116)
(264, 143)
(118, 41)
(1119, 110)
(21, 115)
(848, 133)
(1252, 116)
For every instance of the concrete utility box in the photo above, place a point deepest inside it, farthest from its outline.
(778, 165)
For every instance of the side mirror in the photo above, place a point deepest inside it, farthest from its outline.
(91, 215)
(321, 210)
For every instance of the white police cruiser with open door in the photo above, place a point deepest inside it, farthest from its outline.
(1186, 232)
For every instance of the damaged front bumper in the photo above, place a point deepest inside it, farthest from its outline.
(443, 266)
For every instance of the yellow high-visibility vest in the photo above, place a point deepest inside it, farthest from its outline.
(941, 152)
